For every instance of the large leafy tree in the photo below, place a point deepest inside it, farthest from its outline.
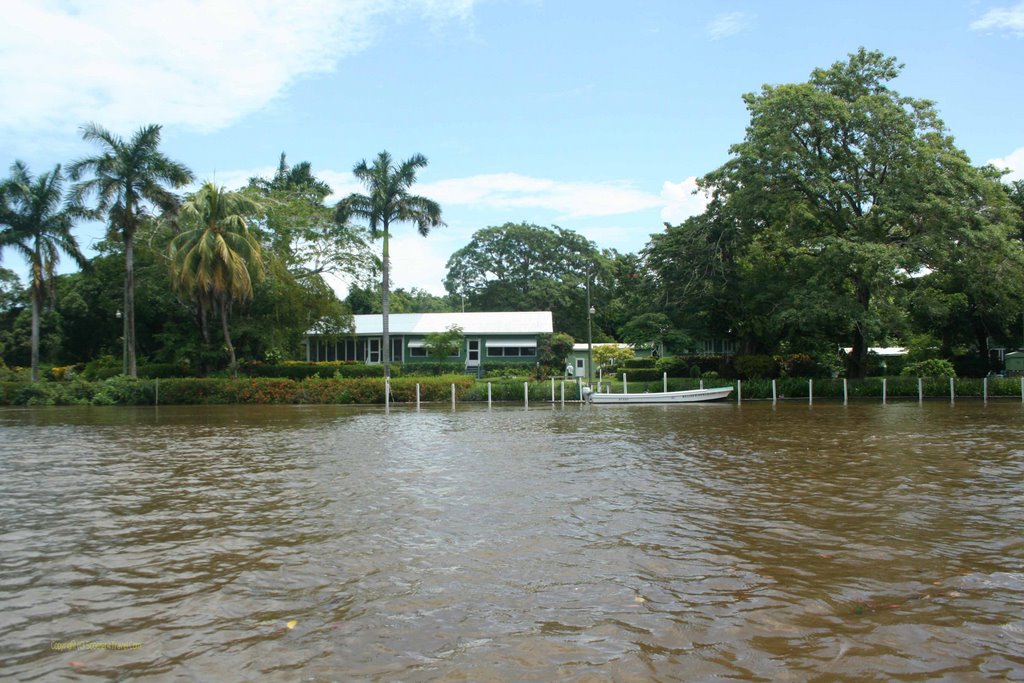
(129, 179)
(37, 223)
(526, 267)
(846, 175)
(295, 223)
(216, 258)
(388, 200)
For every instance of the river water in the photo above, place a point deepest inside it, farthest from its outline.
(585, 543)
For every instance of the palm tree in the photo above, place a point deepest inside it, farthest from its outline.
(128, 176)
(389, 202)
(38, 224)
(215, 258)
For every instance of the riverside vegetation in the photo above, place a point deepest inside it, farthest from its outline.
(846, 217)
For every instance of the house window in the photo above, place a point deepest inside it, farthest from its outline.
(511, 351)
(417, 351)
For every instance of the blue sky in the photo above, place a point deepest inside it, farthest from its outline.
(590, 114)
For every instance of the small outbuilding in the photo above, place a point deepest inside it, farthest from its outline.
(1015, 362)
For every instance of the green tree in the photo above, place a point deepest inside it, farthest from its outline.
(442, 345)
(215, 259)
(389, 201)
(38, 225)
(847, 176)
(129, 178)
(295, 223)
(526, 267)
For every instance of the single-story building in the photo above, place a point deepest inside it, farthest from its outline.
(488, 338)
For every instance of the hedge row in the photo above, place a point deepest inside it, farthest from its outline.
(255, 390)
(317, 390)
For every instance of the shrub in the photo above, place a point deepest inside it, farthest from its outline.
(675, 366)
(124, 390)
(640, 375)
(428, 368)
(801, 365)
(165, 370)
(103, 367)
(932, 367)
(646, 363)
(755, 367)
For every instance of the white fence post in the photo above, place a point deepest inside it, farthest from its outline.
(625, 387)
(810, 392)
(417, 395)
(453, 395)
(563, 393)
(775, 393)
(846, 391)
(739, 391)
(920, 390)
(526, 394)
(952, 393)
(664, 382)
(552, 389)
(488, 394)
(885, 390)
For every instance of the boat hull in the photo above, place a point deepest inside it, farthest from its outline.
(690, 396)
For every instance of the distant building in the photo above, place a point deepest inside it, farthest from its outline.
(489, 338)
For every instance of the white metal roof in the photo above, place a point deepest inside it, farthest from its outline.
(500, 322)
(583, 346)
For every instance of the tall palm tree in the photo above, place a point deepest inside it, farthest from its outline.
(38, 225)
(388, 201)
(215, 259)
(129, 177)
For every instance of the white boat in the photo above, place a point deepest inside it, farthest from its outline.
(689, 396)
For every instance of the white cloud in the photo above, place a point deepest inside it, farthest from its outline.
(682, 200)
(728, 24)
(1002, 19)
(196, 63)
(1013, 161)
(568, 199)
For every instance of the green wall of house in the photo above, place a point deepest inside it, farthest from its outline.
(359, 349)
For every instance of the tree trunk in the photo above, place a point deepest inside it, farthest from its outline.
(385, 306)
(37, 304)
(203, 307)
(225, 307)
(129, 305)
(858, 368)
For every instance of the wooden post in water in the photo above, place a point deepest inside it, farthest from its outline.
(952, 395)
(885, 390)
(810, 392)
(526, 394)
(775, 393)
(417, 395)
(739, 391)
(846, 391)
(920, 390)
(625, 387)
(488, 394)
(664, 382)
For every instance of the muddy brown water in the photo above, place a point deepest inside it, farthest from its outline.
(585, 543)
